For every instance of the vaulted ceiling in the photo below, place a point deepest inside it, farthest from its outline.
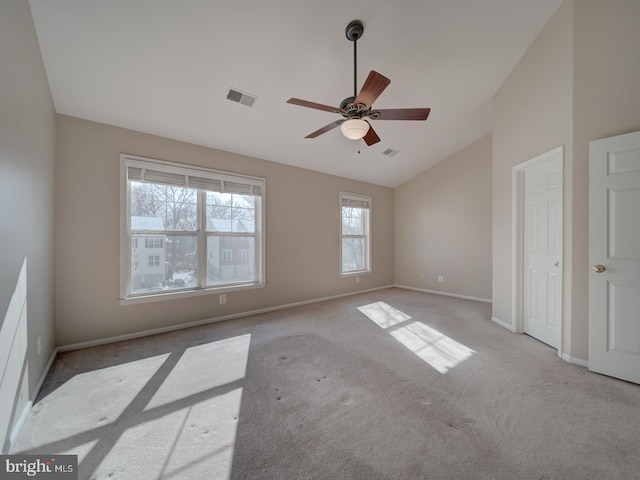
(165, 67)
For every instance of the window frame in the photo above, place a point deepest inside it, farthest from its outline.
(125, 289)
(366, 200)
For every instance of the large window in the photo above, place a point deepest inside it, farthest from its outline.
(356, 232)
(191, 224)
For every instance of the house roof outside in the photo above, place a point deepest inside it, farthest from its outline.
(146, 223)
(213, 224)
(226, 225)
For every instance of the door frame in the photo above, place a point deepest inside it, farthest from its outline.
(517, 237)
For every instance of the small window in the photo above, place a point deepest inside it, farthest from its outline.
(356, 233)
(152, 242)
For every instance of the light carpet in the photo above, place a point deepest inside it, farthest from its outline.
(392, 384)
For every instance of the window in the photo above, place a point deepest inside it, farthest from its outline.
(356, 232)
(189, 220)
(151, 242)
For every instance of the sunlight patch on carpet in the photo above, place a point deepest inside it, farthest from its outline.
(197, 441)
(433, 347)
(167, 416)
(200, 442)
(441, 352)
(202, 368)
(384, 314)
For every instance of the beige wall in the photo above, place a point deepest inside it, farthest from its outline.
(578, 82)
(531, 115)
(443, 225)
(302, 235)
(606, 95)
(26, 213)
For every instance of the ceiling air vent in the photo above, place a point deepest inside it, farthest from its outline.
(238, 96)
(390, 152)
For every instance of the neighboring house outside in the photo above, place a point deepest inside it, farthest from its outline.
(230, 258)
(148, 255)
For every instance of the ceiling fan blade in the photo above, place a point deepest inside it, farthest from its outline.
(371, 137)
(402, 114)
(373, 86)
(326, 128)
(317, 106)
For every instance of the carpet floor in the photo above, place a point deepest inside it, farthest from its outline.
(392, 384)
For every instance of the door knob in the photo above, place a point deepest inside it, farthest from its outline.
(599, 268)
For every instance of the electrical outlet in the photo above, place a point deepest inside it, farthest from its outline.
(422, 276)
(223, 299)
(440, 278)
(357, 279)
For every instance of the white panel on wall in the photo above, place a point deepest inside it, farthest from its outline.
(13, 352)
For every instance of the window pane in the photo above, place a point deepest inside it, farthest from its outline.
(230, 259)
(353, 254)
(163, 262)
(352, 221)
(163, 207)
(230, 212)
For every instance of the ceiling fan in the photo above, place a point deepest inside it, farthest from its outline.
(357, 108)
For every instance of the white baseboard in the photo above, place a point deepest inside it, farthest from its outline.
(17, 428)
(171, 328)
(506, 325)
(577, 361)
(447, 294)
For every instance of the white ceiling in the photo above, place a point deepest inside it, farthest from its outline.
(165, 67)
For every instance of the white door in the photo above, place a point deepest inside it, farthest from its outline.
(542, 282)
(614, 256)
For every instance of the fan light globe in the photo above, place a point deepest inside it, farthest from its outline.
(355, 128)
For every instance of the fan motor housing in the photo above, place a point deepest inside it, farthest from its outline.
(353, 110)
(347, 104)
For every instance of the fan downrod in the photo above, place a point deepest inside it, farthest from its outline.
(354, 31)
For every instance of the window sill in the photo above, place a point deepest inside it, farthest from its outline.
(159, 297)
(355, 273)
